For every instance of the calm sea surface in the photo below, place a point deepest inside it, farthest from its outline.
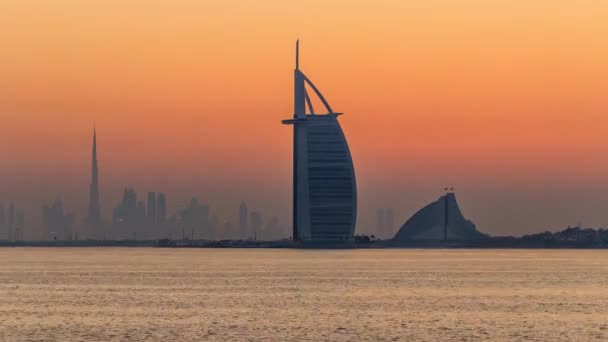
(150, 294)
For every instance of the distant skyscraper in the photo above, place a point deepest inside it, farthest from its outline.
(161, 207)
(152, 206)
(129, 200)
(126, 211)
(94, 216)
(324, 186)
(243, 229)
(130, 216)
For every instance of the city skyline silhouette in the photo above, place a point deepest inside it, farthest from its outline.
(510, 117)
(344, 170)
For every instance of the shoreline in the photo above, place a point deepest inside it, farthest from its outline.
(492, 243)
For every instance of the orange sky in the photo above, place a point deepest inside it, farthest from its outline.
(505, 100)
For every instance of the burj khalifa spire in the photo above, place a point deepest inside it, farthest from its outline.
(94, 217)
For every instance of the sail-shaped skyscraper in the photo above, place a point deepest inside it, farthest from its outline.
(324, 185)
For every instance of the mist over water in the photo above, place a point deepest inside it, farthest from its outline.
(137, 294)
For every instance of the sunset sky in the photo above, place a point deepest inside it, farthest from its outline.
(506, 100)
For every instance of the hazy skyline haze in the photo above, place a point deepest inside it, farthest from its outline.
(503, 100)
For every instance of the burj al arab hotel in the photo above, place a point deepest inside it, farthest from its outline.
(324, 185)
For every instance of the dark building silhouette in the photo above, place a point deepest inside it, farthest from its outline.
(56, 223)
(126, 210)
(152, 206)
(162, 228)
(440, 220)
(94, 215)
(324, 185)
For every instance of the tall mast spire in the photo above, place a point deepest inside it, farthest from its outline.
(94, 145)
(297, 54)
(299, 106)
(94, 157)
(94, 211)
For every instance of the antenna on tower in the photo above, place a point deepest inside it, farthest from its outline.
(297, 54)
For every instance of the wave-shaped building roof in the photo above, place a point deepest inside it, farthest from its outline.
(440, 220)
